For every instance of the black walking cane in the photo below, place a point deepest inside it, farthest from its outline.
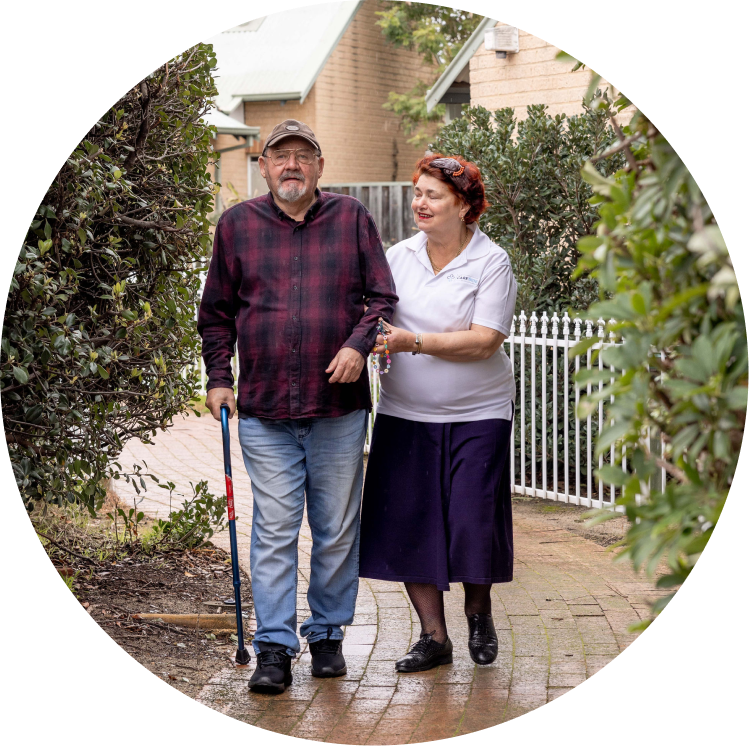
(243, 656)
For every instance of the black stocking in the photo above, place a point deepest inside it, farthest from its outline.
(429, 604)
(478, 598)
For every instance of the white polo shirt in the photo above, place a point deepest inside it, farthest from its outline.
(477, 287)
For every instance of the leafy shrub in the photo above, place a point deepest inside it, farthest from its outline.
(539, 202)
(194, 524)
(100, 321)
(538, 209)
(659, 253)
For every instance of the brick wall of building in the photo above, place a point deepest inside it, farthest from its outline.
(532, 76)
(267, 114)
(233, 168)
(363, 141)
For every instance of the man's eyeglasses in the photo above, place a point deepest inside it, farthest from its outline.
(304, 156)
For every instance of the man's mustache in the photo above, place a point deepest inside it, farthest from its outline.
(292, 175)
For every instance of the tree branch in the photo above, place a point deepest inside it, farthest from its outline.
(153, 225)
(631, 160)
(65, 549)
(614, 149)
(145, 125)
(19, 385)
(10, 437)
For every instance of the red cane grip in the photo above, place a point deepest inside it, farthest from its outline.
(230, 497)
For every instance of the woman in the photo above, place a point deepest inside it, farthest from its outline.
(436, 506)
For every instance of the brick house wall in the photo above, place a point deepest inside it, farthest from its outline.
(233, 168)
(361, 141)
(532, 76)
(367, 140)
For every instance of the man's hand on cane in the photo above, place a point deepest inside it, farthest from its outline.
(216, 397)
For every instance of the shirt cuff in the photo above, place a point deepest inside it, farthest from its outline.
(220, 382)
(360, 345)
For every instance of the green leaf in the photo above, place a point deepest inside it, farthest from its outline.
(21, 374)
(600, 184)
(638, 304)
(583, 346)
(34, 413)
(613, 475)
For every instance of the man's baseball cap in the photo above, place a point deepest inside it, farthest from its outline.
(291, 128)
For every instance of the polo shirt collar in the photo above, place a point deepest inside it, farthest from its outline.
(477, 247)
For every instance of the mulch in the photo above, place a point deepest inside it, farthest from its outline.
(175, 583)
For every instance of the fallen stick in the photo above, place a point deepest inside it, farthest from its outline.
(196, 621)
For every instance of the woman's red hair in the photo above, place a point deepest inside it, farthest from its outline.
(467, 186)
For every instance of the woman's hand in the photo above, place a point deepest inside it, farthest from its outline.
(399, 340)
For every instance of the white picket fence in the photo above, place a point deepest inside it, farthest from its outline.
(557, 465)
(553, 451)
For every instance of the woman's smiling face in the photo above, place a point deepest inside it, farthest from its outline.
(435, 207)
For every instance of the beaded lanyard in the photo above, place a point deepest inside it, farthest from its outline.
(376, 365)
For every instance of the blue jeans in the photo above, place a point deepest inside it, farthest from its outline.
(322, 457)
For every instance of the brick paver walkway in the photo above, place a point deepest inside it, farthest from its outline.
(564, 616)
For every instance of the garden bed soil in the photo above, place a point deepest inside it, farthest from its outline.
(184, 582)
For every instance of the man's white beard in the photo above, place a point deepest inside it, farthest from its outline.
(291, 192)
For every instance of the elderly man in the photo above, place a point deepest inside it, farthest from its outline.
(298, 279)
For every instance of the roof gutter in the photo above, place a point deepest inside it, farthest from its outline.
(249, 134)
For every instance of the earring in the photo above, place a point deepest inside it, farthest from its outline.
(462, 219)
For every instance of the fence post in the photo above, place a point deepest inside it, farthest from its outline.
(589, 422)
(511, 341)
(544, 331)
(534, 342)
(555, 406)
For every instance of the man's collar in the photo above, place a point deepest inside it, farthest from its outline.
(311, 211)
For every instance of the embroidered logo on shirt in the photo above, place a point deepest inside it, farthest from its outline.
(463, 278)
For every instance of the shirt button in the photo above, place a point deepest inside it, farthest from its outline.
(294, 287)
(293, 318)
(296, 258)
(293, 383)
(293, 349)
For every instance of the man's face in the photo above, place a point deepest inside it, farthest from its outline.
(292, 180)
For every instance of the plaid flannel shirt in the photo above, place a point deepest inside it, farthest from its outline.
(291, 295)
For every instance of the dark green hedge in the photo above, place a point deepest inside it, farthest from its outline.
(100, 321)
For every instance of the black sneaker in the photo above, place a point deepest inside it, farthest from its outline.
(273, 671)
(482, 639)
(327, 658)
(425, 654)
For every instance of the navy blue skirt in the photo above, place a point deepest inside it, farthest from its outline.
(437, 503)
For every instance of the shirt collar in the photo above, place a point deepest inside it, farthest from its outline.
(477, 247)
(308, 216)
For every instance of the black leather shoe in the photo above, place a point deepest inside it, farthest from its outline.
(482, 639)
(273, 671)
(425, 654)
(327, 658)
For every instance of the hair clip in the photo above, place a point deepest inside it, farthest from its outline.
(450, 165)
